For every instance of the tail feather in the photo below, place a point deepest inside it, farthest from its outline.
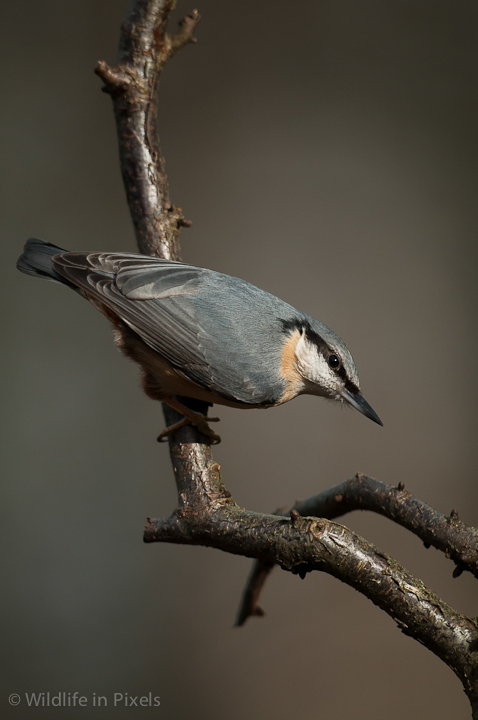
(36, 260)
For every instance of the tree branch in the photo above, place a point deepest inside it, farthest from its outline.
(302, 545)
(458, 541)
(133, 83)
(207, 514)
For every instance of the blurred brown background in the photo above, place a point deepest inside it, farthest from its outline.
(326, 151)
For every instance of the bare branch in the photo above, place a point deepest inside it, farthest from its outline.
(183, 37)
(249, 606)
(306, 544)
(145, 47)
(446, 533)
(207, 515)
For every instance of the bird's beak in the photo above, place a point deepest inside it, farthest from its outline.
(360, 404)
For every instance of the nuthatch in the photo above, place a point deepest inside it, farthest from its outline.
(200, 334)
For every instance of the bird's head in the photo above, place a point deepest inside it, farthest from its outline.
(316, 361)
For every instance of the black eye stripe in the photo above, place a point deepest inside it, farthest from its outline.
(303, 326)
(288, 326)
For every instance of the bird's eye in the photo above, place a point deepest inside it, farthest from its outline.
(334, 362)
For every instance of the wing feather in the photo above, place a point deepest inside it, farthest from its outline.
(184, 313)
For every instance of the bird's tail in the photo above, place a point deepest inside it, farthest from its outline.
(36, 260)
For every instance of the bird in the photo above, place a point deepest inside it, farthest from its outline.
(201, 334)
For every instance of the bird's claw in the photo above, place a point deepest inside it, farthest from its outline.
(202, 425)
(164, 434)
(201, 422)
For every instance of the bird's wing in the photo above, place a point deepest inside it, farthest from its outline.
(158, 300)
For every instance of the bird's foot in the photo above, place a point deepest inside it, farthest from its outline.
(193, 418)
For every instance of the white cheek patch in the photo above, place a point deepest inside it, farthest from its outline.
(314, 368)
(308, 359)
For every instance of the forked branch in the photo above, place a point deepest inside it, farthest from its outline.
(447, 533)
